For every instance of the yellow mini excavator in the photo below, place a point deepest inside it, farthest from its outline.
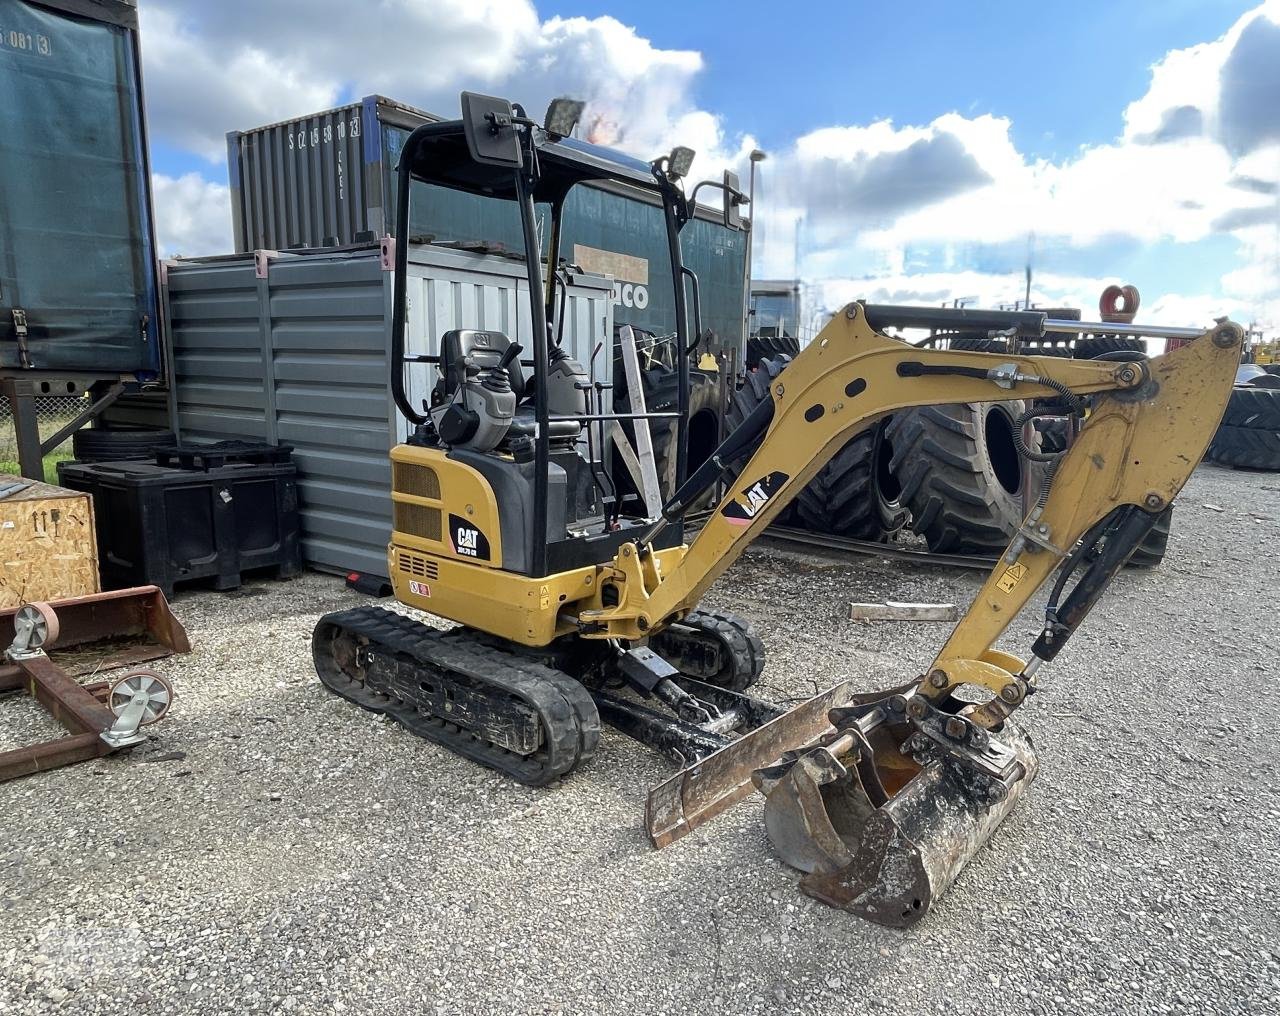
(575, 604)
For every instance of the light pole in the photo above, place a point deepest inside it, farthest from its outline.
(755, 157)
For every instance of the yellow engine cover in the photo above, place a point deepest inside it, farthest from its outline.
(445, 555)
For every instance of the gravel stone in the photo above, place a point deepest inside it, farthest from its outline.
(316, 858)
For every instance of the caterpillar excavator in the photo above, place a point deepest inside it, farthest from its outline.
(573, 610)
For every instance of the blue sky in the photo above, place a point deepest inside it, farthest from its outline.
(1061, 72)
(917, 150)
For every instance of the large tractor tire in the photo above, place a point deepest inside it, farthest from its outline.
(770, 347)
(1249, 437)
(755, 389)
(1047, 346)
(1093, 346)
(855, 494)
(1258, 408)
(1053, 431)
(1246, 448)
(961, 475)
(977, 344)
(705, 413)
(661, 395)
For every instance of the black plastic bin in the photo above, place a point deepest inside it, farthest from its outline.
(165, 525)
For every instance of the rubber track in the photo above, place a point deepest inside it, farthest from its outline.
(941, 462)
(735, 633)
(567, 715)
(1253, 407)
(1246, 447)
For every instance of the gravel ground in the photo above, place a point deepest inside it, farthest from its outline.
(305, 856)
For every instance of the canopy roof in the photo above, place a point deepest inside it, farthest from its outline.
(438, 154)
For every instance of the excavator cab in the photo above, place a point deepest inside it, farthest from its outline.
(537, 423)
(573, 607)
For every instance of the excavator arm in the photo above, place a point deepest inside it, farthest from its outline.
(1147, 429)
(901, 787)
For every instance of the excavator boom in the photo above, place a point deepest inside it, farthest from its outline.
(882, 798)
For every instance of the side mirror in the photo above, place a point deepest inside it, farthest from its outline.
(490, 129)
(733, 200)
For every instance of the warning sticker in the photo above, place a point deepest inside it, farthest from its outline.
(419, 588)
(1011, 577)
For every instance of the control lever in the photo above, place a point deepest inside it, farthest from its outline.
(512, 351)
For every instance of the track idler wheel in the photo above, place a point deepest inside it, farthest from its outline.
(714, 646)
(881, 816)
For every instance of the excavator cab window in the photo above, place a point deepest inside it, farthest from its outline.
(495, 152)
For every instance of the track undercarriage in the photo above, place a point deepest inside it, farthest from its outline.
(535, 715)
(879, 816)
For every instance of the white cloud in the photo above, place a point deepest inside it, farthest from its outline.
(1172, 178)
(1225, 89)
(880, 203)
(237, 64)
(193, 216)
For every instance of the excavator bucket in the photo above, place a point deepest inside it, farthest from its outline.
(872, 809)
(880, 819)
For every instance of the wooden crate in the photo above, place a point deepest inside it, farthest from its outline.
(48, 549)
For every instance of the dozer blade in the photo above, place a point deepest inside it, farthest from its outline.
(881, 832)
(705, 789)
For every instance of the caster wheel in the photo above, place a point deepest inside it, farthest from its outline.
(158, 692)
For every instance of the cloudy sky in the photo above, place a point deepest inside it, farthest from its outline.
(917, 152)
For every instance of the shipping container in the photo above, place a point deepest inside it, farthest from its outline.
(294, 349)
(329, 179)
(78, 286)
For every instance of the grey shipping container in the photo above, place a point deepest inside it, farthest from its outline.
(294, 350)
(77, 247)
(329, 179)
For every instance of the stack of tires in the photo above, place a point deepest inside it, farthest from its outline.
(1249, 436)
(110, 444)
(769, 347)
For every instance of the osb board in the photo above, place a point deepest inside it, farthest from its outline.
(48, 549)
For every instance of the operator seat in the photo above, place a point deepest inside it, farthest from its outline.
(488, 364)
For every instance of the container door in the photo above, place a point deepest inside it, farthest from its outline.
(76, 250)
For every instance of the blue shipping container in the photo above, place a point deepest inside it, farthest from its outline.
(329, 179)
